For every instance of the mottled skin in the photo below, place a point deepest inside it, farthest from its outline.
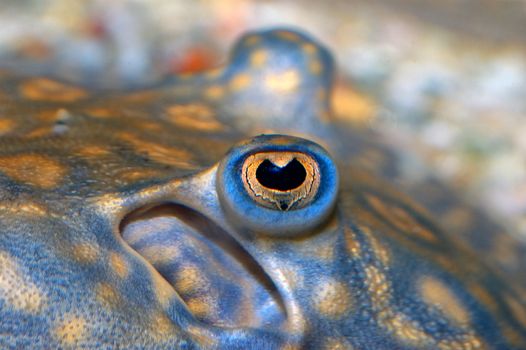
(113, 235)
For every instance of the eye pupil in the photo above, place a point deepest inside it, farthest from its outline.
(284, 178)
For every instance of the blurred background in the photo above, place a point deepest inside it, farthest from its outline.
(444, 82)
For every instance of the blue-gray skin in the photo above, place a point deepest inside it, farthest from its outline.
(126, 222)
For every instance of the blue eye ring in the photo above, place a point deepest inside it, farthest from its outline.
(243, 210)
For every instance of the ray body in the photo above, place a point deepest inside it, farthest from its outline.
(119, 230)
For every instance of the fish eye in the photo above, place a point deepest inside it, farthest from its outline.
(281, 180)
(277, 185)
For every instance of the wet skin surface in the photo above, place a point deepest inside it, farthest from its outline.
(156, 219)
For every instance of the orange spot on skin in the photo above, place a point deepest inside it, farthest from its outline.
(157, 254)
(158, 152)
(352, 244)
(107, 295)
(201, 307)
(309, 49)
(136, 175)
(379, 287)
(6, 126)
(35, 170)
(379, 249)
(282, 141)
(240, 82)
(396, 323)
(435, 292)
(193, 116)
(290, 36)
(298, 322)
(93, 151)
(285, 82)
(332, 299)
(214, 73)
(71, 330)
(161, 326)
(465, 342)
(333, 343)
(119, 265)
(190, 279)
(267, 245)
(85, 253)
(406, 330)
(109, 204)
(258, 58)
(42, 89)
(214, 92)
(26, 208)
(252, 40)
(290, 347)
(99, 112)
(16, 290)
(351, 106)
